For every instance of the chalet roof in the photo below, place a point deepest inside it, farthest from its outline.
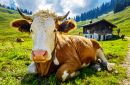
(96, 22)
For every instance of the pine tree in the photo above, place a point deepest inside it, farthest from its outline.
(8, 7)
(126, 3)
(118, 6)
(25, 11)
(30, 12)
(12, 8)
(77, 18)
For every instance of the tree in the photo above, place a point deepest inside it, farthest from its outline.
(12, 8)
(25, 11)
(118, 6)
(30, 12)
(8, 7)
(77, 18)
(3, 5)
(126, 3)
(82, 16)
(74, 18)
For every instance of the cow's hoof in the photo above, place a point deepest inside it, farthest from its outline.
(32, 69)
(76, 73)
(116, 72)
(110, 68)
(112, 64)
(96, 67)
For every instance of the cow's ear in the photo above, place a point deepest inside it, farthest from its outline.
(22, 25)
(66, 26)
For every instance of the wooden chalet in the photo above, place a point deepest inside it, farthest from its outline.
(98, 30)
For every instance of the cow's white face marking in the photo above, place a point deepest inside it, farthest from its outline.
(85, 65)
(42, 34)
(65, 75)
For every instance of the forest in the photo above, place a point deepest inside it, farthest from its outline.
(113, 5)
(12, 8)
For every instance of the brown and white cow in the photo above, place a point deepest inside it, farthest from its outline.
(53, 51)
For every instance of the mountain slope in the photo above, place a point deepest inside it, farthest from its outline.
(15, 58)
(120, 19)
(6, 16)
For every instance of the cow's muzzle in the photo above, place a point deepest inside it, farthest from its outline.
(39, 55)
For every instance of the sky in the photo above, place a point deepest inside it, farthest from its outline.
(61, 7)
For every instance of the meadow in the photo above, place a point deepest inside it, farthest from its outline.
(120, 19)
(15, 58)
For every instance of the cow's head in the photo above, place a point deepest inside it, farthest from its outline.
(43, 26)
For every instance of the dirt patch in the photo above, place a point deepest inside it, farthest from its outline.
(127, 65)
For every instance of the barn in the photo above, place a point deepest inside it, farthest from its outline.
(98, 30)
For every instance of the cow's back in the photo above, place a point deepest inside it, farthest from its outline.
(85, 48)
(76, 48)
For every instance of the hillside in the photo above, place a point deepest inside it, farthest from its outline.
(121, 19)
(15, 57)
(6, 16)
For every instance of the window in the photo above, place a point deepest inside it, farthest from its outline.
(91, 36)
(96, 36)
(85, 30)
(88, 31)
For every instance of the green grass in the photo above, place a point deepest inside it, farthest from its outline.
(14, 59)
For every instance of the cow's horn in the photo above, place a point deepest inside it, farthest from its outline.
(27, 17)
(63, 17)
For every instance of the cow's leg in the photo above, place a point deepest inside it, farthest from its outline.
(32, 69)
(67, 71)
(100, 55)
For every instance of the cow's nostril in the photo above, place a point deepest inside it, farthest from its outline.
(39, 55)
(45, 54)
(33, 55)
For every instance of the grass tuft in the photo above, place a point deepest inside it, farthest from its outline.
(14, 57)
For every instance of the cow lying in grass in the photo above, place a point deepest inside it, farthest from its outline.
(53, 51)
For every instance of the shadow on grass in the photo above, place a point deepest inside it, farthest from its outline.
(51, 79)
(113, 39)
(125, 39)
(31, 79)
(116, 37)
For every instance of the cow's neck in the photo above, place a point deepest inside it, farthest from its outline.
(44, 68)
(54, 51)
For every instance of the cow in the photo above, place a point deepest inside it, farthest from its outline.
(122, 36)
(19, 40)
(54, 51)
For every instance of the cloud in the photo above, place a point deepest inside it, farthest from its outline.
(6, 2)
(61, 7)
(78, 6)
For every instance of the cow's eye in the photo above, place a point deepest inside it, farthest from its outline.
(31, 31)
(55, 30)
